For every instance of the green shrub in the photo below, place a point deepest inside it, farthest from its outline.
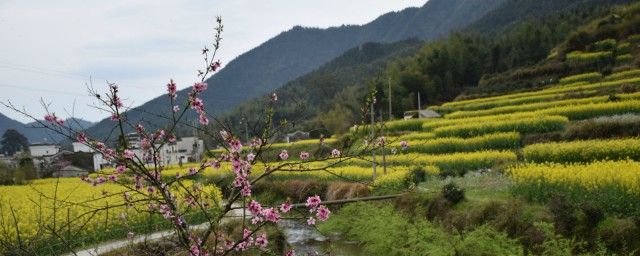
(452, 193)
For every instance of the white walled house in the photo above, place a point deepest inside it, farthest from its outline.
(189, 149)
(81, 147)
(43, 149)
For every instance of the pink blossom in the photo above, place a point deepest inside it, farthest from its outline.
(138, 186)
(381, 141)
(273, 97)
(194, 250)
(151, 190)
(113, 178)
(236, 146)
(101, 180)
(128, 154)
(291, 252)
(311, 221)
(145, 144)
(223, 157)
(130, 235)
(127, 196)
(313, 202)
(203, 119)
(246, 190)
(215, 164)
(81, 138)
(262, 241)
(304, 155)
(284, 155)
(335, 153)
(271, 215)
(215, 66)
(50, 118)
(176, 108)
(199, 87)
(323, 213)
(171, 89)
(286, 206)
(115, 117)
(122, 216)
(140, 128)
(256, 220)
(172, 138)
(254, 207)
(197, 105)
(404, 145)
(225, 135)
(192, 171)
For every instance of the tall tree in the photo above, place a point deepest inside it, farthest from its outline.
(13, 141)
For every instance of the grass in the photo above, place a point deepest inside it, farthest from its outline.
(477, 187)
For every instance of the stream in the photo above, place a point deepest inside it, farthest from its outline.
(306, 239)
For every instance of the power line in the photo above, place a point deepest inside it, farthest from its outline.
(22, 87)
(55, 73)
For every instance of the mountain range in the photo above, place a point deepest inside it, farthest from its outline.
(301, 50)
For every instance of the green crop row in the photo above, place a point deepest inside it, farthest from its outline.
(623, 74)
(588, 77)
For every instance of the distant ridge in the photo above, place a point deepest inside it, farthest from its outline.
(300, 50)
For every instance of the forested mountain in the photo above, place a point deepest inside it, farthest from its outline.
(513, 11)
(35, 135)
(441, 70)
(300, 50)
(339, 82)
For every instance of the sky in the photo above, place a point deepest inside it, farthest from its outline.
(51, 51)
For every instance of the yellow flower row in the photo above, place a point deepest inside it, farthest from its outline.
(623, 175)
(583, 150)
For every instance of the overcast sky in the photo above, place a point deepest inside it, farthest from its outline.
(50, 49)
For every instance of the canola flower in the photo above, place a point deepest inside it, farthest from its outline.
(613, 186)
(583, 151)
(54, 203)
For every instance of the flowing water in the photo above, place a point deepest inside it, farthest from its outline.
(306, 239)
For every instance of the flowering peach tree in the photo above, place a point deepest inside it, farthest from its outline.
(171, 197)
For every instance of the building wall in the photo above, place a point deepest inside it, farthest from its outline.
(80, 147)
(44, 150)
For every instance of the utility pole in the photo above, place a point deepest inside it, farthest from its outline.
(196, 145)
(384, 158)
(390, 113)
(419, 106)
(373, 136)
(246, 130)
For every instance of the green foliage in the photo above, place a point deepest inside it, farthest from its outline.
(12, 142)
(382, 231)
(605, 45)
(617, 126)
(452, 193)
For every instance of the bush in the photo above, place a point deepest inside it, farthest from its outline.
(452, 193)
